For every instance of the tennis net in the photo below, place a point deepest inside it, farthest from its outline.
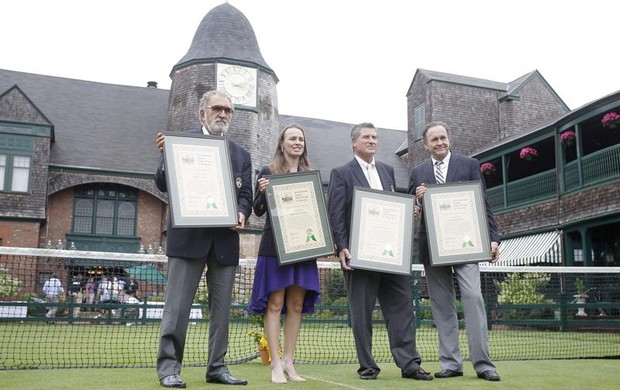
(109, 312)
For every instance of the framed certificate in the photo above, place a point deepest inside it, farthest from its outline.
(456, 223)
(299, 217)
(381, 231)
(200, 181)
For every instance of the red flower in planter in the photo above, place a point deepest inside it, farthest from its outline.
(487, 168)
(568, 137)
(528, 153)
(610, 120)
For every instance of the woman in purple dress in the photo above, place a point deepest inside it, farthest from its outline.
(290, 289)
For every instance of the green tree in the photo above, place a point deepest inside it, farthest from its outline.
(523, 288)
(9, 286)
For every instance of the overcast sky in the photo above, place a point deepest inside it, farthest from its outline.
(348, 61)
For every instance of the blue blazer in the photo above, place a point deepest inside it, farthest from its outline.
(461, 168)
(197, 242)
(342, 182)
(267, 242)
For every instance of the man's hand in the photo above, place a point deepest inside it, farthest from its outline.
(494, 252)
(420, 191)
(159, 142)
(344, 257)
(241, 224)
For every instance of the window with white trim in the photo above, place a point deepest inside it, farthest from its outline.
(419, 118)
(14, 173)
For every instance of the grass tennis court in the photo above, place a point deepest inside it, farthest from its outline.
(517, 375)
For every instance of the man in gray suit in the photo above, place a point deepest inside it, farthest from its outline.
(190, 249)
(364, 287)
(444, 166)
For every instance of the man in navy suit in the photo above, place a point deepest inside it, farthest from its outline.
(190, 249)
(365, 287)
(454, 168)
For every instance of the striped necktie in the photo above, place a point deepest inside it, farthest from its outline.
(438, 173)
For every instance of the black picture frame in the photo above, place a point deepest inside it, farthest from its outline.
(299, 218)
(456, 223)
(200, 182)
(381, 236)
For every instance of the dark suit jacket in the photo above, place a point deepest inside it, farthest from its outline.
(267, 242)
(340, 196)
(196, 242)
(461, 168)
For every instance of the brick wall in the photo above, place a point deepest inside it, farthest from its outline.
(585, 204)
(573, 208)
(151, 212)
(60, 217)
(18, 233)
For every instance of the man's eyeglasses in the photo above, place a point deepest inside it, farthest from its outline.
(227, 110)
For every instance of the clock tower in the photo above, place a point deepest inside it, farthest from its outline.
(239, 82)
(224, 55)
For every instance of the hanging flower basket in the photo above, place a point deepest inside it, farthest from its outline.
(487, 169)
(611, 120)
(528, 153)
(568, 138)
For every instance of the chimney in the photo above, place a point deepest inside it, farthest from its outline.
(151, 84)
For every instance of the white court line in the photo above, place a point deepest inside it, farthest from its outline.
(334, 383)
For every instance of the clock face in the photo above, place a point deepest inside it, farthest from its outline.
(239, 82)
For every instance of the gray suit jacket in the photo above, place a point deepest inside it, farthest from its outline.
(461, 168)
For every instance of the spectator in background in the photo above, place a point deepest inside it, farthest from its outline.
(132, 287)
(115, 289)
(91, 289)
(53, 290)
(104, 287)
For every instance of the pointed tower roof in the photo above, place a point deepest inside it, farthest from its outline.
(224, 34)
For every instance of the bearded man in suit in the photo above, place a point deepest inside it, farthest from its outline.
(365, 287)
(453, 168)
(190, 249)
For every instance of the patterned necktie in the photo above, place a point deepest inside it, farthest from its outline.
(371, 178)
(438, 173)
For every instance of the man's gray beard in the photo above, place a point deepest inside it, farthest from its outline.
(218, 128)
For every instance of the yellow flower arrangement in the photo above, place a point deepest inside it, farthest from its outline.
(258, 334)
(259, 338)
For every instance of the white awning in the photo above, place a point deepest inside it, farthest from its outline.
(533, 249)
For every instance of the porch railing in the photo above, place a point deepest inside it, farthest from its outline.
(595, 168)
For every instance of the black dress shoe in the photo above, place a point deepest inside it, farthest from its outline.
(448, 374)
(489, 375)
(226, 379)
(172, 381)
(369, 373)
(419, 375)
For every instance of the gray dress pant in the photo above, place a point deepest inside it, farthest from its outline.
(443, 304)
(183, 278)
(395, 298)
